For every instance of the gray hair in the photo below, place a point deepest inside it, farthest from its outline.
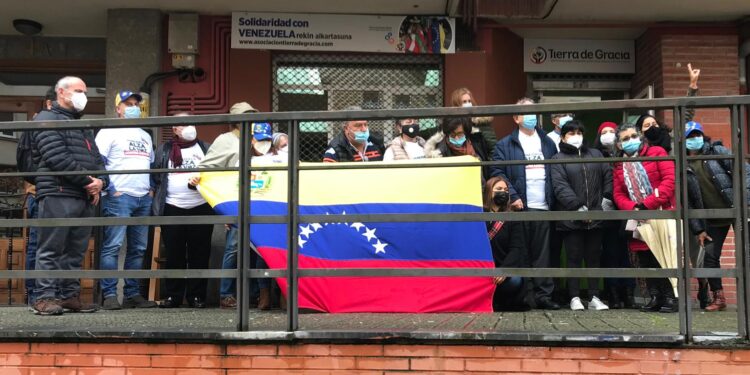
(66, 81)
(350, 108)
(623, 127)
(525, 100)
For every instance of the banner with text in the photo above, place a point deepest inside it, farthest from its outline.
(333, 32)
(579, 56)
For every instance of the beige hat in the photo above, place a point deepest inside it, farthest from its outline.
(241, 107)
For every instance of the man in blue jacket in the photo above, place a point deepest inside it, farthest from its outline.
(530, 190)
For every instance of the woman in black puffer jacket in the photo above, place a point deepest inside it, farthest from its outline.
(581, 187)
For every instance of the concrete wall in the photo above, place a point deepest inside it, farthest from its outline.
(134, 51)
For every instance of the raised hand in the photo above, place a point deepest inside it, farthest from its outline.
(694, 75)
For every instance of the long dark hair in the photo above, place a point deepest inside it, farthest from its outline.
(488, 193)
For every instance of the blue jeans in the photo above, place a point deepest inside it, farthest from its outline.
(137, 237)
(228, 286)
(31, 246)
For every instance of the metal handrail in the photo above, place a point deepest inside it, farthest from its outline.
(292, 273)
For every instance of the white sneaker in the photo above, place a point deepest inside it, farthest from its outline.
(576, 304)
(597, 304)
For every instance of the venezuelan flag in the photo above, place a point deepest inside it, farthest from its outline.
(349, 244)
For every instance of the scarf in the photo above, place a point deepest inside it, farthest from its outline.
(636, 180)
(175, 155)
(465, 149)
(495, 229)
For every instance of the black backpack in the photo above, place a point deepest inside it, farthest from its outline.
(24, 160)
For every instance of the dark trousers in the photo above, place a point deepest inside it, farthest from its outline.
(583, 245)
(555, 254)
(615, 255)
(187, 247)
(32, 210)
(659, 286)
(537, 245)
(713, 252)
(61, 248)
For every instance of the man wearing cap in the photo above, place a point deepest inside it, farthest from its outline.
(354, 143)
(225, 153)
(128, 195)
(713, 190)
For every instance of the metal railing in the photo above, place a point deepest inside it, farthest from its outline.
(244, 272)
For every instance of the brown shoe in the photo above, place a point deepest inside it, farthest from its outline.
(264, 302)
(282, 302)
(228, 303)
(47, 306)
(74, 305)
(719, 302)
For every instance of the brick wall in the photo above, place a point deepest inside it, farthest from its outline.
(662, 55)
(163, 359)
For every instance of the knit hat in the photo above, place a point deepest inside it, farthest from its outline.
(607, 124)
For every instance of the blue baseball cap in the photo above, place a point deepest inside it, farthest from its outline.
(693, 126)
(262, 131)
(125, 95)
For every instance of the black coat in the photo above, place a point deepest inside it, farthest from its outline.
(580, 184)
(509, 250)
(65, 150)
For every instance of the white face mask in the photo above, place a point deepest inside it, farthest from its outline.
(575, 141)
(189, 133)
(79, 100)
(607, 139)
(262, 147)
(466, 104)
(284, 150)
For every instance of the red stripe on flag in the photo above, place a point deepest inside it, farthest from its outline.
(387, 294)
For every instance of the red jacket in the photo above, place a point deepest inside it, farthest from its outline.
(661, 176)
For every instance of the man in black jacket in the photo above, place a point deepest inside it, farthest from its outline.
(354, 143)
(63, 248)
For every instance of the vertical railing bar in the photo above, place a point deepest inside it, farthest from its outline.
(243, 240)
(740, 239)
(683, 230)
(293, 224)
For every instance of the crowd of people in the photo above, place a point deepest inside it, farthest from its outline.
(578, 186)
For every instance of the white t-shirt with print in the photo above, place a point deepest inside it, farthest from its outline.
(536, 175)
(178, 193)
(126, 149)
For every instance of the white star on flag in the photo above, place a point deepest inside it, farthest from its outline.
(305, 231)
(316, 226)
(369, 233)
(380, 247)
(301, 242)
(357, 226)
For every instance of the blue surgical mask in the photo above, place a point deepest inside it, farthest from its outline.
(631, 146)
(564, 120)
(458, 142)
(529, 121)
(132, 112)
(694, 144)
(362, 136)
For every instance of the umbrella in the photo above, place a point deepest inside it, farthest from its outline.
(661, 237)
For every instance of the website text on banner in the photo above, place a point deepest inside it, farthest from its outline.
(372, 245)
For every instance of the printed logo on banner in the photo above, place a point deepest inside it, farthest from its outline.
(538, 55)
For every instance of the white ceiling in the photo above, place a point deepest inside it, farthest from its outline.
(89, 17)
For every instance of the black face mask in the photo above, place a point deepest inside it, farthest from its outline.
(501, 198)
(410, 130)
(654, 134)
